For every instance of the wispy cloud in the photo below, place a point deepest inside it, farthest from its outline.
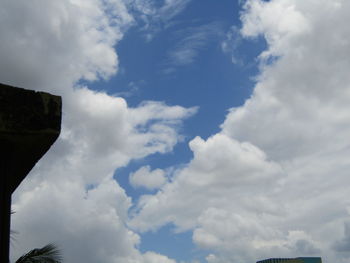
(132, 89)
(155, 16)
(231, 43)
(194, 40)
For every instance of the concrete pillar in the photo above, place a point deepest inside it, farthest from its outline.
(30, 122)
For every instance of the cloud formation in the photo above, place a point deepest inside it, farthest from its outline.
(156, 15)
(70, 197)
(274, 180)
(64, 43)
(148, 179)
(231, 43)
(192, 41)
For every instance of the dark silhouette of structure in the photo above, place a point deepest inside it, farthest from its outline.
(292, 260)
(30, 122)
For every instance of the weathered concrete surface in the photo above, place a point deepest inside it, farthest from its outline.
(30, 122)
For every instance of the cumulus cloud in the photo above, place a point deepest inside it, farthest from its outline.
(220, 167)
(70, 197)
(343, 245)
(151, 257)
(73, 184)
(273, 182)
(146, 178)
(70, 40)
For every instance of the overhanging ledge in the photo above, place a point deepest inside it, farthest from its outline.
(30, 122)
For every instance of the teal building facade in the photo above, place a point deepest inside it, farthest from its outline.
(292, 260)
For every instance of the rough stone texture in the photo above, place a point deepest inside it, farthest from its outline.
(30, 122)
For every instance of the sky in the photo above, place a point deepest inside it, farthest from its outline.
(193, 131)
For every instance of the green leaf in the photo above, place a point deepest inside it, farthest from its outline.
(47, 254)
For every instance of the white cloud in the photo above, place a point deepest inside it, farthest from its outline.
(342, 246)
(231, 43)
(70, 197)
(100, 133)
(151, 257)
(171, 8)
(85, 225)
(221, 167)
(155, 16)
(274, 181)
(148, 179)
(193, 40)
(67, 41)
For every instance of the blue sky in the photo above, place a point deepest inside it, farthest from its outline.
(208, 80)
(193, 131)
(204, 77)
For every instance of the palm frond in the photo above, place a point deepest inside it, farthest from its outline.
(12, 232)
(12, 235)
(47, 254)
